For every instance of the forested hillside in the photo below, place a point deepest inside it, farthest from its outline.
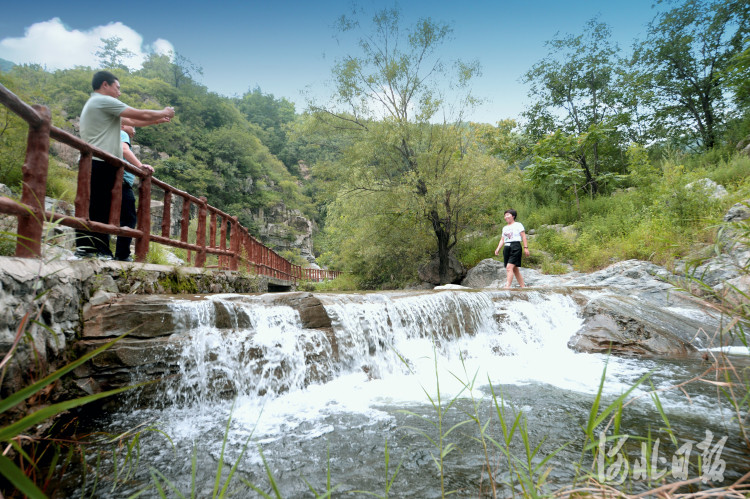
(395, 175)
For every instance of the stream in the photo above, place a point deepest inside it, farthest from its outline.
(291, 408)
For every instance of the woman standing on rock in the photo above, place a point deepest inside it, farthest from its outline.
(513, 234)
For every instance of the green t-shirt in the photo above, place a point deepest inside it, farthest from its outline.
(100, 123)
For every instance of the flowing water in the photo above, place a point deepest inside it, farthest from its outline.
(308, 404)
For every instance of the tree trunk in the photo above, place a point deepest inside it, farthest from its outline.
(443, 243)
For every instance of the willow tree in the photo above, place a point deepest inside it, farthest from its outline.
(407, 141)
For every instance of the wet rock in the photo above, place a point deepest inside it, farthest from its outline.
(631, 326)
(229, 315)
(312, 313)
(142, 317)
(630, 275)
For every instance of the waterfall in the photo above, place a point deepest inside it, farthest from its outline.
(240, 345)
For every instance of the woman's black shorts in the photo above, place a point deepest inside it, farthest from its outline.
(512, 253)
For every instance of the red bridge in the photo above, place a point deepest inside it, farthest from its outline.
(235, 247)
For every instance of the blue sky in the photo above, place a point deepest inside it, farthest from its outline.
(286, 47)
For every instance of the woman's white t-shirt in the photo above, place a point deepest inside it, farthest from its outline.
(512, 232)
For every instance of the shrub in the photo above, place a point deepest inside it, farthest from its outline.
(344, 282)
(472, 251)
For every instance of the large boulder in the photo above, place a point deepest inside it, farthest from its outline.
(311, 311)
(711, 189)
(626, 325)
(738, 212)
(744, 145)
(430, 272)
(632, 276)
(484, 273)
(733, 256)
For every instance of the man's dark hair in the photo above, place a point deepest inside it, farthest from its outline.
(102, 76)
(512, 212)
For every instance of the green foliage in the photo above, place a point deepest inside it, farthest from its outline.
(504, 141)
(473, 250)
(685, 59)
(578, 92)
(659, 220)
(13, 132)
(157, 254)
(343, 283)
(397, 161)
(16, 426)
(736, 75)
(273, 116)
(294, 256)
(371, 238)
(178, 282)
(62, 182)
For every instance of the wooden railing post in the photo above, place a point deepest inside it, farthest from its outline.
(247, 244)
(35, 168)
(144, 219)
(185, 224)
(200, 240)
(115, 201)
(166, 219)
(234, 244)
(223, 262)
(212, 230)
(83, 194)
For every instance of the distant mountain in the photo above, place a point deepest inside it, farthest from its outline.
(6, 65)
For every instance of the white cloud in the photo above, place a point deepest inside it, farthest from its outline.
(54, 45)
(162, 46)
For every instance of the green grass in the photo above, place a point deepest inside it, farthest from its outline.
(657, 221)
(343, 283)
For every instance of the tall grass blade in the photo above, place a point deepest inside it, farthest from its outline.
(19, 480)
(24, 393)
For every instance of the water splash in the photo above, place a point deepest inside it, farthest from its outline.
(243, 348)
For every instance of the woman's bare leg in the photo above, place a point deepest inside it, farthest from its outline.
(509, 277)
(519, 277)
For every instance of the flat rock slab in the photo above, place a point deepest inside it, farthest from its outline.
(628, 325)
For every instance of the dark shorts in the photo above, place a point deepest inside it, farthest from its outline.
(512, 253)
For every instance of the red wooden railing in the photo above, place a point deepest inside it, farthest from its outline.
(243, 251)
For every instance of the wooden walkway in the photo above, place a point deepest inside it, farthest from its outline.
(218, 233)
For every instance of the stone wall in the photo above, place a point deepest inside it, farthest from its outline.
(43, 305)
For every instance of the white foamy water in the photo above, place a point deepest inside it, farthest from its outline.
(393, 349)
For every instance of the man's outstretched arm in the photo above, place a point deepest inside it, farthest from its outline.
(145, 117)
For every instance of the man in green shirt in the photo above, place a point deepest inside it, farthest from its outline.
(101, 119)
